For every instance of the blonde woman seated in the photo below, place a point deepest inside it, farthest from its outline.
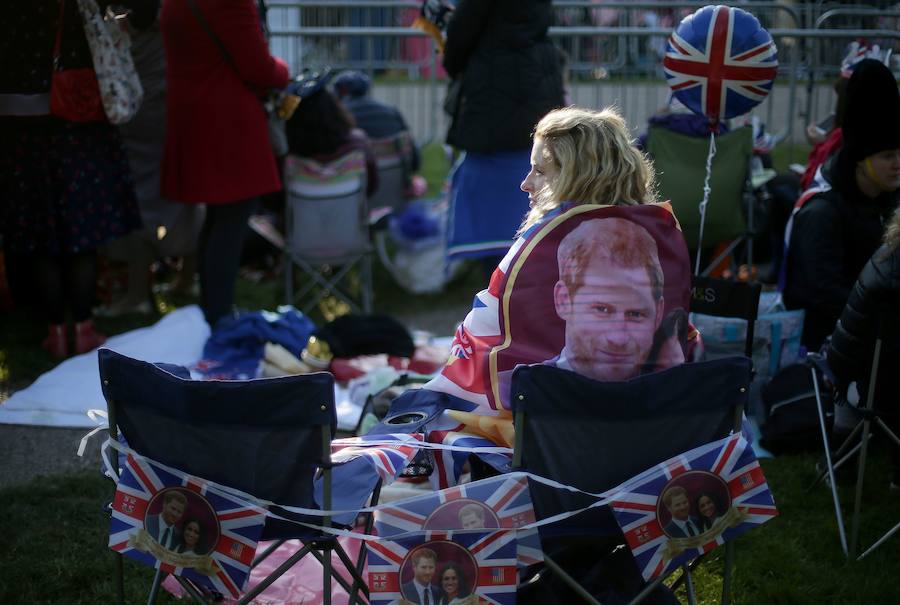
(582, 157)
(571, 289)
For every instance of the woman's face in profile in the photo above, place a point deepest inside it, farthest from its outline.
(707, 506)
(543, 170)
(450, 582)
(191, 534)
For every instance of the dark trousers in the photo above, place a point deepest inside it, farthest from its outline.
(65, 282)
(219, 256)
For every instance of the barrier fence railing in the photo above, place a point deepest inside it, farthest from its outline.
(609, 64)
(825, 60)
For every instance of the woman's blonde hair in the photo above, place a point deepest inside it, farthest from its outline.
(597, 162)
(892, 232)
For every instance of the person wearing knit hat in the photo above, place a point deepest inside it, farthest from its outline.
(837, 223)
(379, 120)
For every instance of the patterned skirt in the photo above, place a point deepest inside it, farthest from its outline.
(65, 188)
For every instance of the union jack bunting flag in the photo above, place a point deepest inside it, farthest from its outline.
(502, 502)
(177, 523)
(485, 564)
(692, 503)
(359, 466)
(720, 62)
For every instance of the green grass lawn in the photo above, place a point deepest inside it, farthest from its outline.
(54, 546)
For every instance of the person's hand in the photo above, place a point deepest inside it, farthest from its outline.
(815, 134)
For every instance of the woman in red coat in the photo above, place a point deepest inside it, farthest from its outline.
(217, 148)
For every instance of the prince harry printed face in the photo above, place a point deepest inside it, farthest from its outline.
(610, 321)
(173, 510)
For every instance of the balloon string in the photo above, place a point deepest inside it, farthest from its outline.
(706, 190)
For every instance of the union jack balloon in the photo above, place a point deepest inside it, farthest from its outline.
(720, 62)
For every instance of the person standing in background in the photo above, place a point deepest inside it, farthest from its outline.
(65, 186)
(506, 76)
(170, 229)
(378, 120)
(217, 149)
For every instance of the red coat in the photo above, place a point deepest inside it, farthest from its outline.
(217, 141)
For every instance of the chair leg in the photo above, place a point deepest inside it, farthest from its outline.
(880, 541)
(726, 574)
(691, 566)
(830, 468)
(689, 585)
(884, 427)
(647, 590)
(120, 578)
(366, 271)
(154, 588)
(292, 560)
(857, 502)
(327, 286)
(358, 580)
(268, 551)
(361, 559)
(326, 576)
(191, 590)
(896, 440)
(565, 577)
(841, 455)
(288, 279)
(345, 559)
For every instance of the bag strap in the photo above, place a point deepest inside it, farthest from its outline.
(58, 44)
(206, 27)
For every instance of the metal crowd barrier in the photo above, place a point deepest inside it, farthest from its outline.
(619, 63)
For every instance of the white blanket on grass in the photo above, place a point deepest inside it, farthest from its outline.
(63, 396)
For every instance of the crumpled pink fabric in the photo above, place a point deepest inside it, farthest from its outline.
(302, 584)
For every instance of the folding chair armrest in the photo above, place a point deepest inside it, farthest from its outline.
(819, 362)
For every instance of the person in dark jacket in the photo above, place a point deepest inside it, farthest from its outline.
(378, 120)
(506, 76)
(837, 224)
(872, 310)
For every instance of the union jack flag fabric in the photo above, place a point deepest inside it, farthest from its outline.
(228, 526)
(486, 562)
(513, 321)
(720, 62)
(359, 464)
(386, 459)
(502, 502)
(722, 478)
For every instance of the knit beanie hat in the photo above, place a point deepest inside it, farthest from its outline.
(352, 84)
(872, 119)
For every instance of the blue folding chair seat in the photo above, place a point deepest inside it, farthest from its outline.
(268, 438)
(594, 435)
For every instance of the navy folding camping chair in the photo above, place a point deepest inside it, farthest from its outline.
(594, 435)
(268, 438)
(857, 441)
